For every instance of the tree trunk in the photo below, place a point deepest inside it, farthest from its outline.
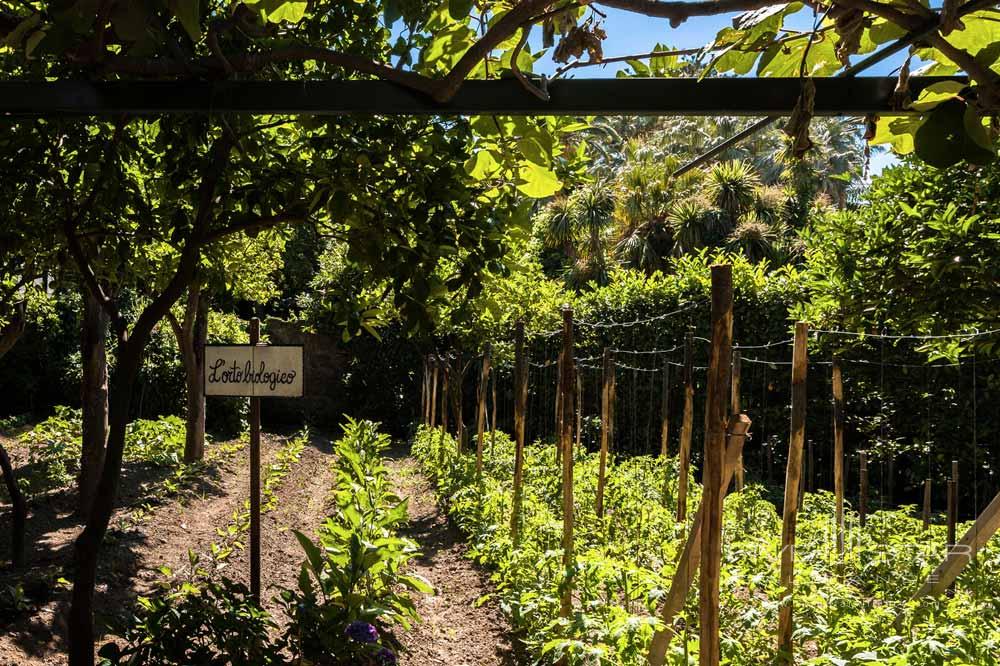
(88, 544)
(93, 399)
(20, 511)
(192, 335)
(11, 332)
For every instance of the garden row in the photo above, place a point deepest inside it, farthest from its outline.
(848, 611)
(351, 593)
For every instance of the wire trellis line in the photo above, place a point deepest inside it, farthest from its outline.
(883, 336)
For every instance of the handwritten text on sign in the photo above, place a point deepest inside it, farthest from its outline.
(254, 371)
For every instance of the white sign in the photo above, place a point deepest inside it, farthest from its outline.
(260, 371)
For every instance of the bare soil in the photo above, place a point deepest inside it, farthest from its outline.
(162, 535)
(455, 631)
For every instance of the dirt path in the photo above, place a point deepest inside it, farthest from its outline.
(454, 632)
(163, 537)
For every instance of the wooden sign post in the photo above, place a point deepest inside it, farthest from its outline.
(255, 371)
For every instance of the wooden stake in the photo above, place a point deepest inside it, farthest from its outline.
(579, 407)
(520, 406)
(811, 468)
(716, 420)
(687, 426)
(496, 415)
(735, 407)
(793, 474)
(863, 482)
(423, 393)
(559, 408)
(484, 383)
(434, 391)
(952, 503)
(456, 401)
(927, 504)
(665, 412)
(566, 442)
(838, 454)
(690, 560)
(255, 480)
(975, 538)
(607, 424)
(445, 395)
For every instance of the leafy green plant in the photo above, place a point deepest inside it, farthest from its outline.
(198, 621)
(354, 576)
(845, 612)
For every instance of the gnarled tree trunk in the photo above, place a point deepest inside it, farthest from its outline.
(93, 398)
(192, 335)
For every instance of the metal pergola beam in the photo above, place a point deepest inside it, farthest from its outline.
(712, 96)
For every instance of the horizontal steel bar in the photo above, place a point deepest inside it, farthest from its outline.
(713, 96)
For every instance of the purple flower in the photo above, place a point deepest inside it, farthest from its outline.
(385, 657)
(362, 632)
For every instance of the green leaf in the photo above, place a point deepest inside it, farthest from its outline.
(391, 11)
(188, 12)
(459, 9)
(940, 140)
(536, 181)
(482, 165)
(933, 95)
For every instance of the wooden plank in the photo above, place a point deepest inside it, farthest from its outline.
(687, 427)
(607, 424)
(959, 555)
(484, 383)
(690, 559)
(520, 407)
(716, 420)
(566, 446)
(838, 454)
(735, 407)
(793, 475)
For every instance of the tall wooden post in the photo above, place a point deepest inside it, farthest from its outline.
(579, 407)
(520, 405)
(927, 504)
(434, 390)
(484, 383)
(735, 407)
(496, 415)
(716, 420)
(687, 427)
(255, 480)
(665, 432)
(952, 503)
(456, 401)
(607, 424)
(445, 394)
(559, 408)
(566, 442)
(838, 454)
(665, 412)
(863, 484)
(793, 475)
(423, 393)
(690, 559)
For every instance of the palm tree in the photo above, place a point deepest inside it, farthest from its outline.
(754, 237)
(592, 207)
(691, 221)
(733, 187)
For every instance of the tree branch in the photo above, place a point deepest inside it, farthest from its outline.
(252, 226)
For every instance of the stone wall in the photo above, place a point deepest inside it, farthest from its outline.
(324, 363)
